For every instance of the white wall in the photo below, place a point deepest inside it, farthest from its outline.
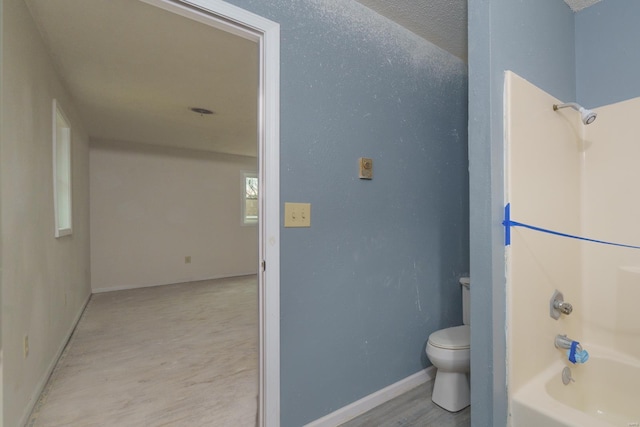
(153, 206)
(611, 211)
(45, 280)
(544, 156)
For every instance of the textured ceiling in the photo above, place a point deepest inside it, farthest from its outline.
(442, 22)
(577, 5)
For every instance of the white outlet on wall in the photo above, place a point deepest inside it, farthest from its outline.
(187, 259)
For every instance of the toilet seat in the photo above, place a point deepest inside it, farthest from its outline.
(455, 338)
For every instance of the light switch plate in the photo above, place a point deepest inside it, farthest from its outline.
(366, 168)
(297, 214)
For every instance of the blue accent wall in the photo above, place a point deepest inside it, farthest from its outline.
(377, 272)
(535, 39)
(607, 55)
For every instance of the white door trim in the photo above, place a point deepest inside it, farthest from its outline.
(266, 33)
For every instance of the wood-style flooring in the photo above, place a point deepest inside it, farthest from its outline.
(176, 355)
(183, 355)
(413, 408)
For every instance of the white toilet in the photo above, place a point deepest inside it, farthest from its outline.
(448, 350)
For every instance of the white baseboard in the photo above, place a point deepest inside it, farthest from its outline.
(43, 381)
(151, 285)
(369, 402)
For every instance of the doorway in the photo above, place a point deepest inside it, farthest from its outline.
(265, 35)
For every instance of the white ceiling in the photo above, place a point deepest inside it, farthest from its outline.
(135, 70)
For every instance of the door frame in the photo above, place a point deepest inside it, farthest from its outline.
(266, 34)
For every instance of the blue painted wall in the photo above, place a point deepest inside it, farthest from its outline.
(377, 272)
(607, 54)
(534, 38)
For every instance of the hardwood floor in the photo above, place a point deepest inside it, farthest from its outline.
(176, 355)
(413, 408)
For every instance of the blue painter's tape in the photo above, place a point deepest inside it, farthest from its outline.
(570, 236)
(508, 223)
(572, 351)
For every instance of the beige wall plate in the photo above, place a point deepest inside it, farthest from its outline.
(366, 168)
(297, 214)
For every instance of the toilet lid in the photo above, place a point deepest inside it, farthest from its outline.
(456, 338)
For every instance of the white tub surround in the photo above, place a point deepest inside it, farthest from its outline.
(565, 176)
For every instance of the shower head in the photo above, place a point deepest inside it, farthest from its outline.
(588, 116)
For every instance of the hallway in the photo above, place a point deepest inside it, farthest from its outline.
(179, 355)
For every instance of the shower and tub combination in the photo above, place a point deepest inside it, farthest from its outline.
(571, 230)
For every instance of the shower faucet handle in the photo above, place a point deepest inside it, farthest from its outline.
(557, 306)
(564, 307)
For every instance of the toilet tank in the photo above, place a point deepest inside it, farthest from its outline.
(466, 300)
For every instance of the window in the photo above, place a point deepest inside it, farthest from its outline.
(61, 171)
(249, 198)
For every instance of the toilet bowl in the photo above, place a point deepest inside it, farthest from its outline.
(448, 350)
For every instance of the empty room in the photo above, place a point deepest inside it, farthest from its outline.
(154, 253)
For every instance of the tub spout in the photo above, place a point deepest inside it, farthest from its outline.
(562, 341)
(575, 352)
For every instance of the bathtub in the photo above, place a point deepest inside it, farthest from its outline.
(606, 392)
